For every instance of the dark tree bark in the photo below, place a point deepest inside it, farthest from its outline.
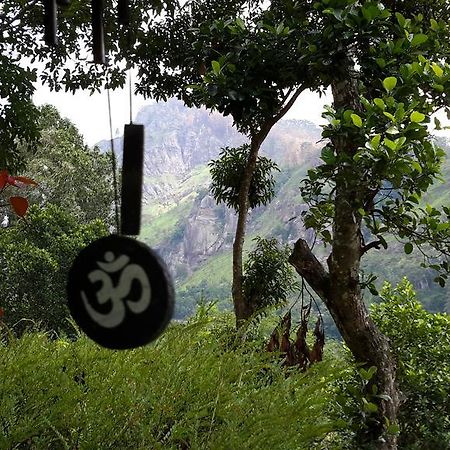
(340, 291)
(340, 286)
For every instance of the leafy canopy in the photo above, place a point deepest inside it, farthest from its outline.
(226, 174)
(70, 174)
(268, 277)
(421, 342)
(403, 76)
(35, 258)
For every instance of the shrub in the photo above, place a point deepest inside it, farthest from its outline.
(421, 342)
(227, 172)
(35, 257)
(194, 388)
(268, 277)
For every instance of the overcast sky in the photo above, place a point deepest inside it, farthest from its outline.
(90, 113)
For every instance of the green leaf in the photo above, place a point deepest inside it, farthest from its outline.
(408, 248)
(419, 39)
(380, 103)
(400, 19)
(328, 156)
(389, 144)
(393, 429)
(240, 23)
(370, 407)
(375, 141)
(390, 83)
(443, 226)
(392, 130)
(369, 373)
(370, 11)
(357, 121)
(390, 116)
(434, 25)
(417, 117)
(400, 142)
(381, 62)
(437, 124)
(326, 235)
(416, 166)
(215, 67)
(437, 70)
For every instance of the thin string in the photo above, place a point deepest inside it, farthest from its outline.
(131, 96)
(114, 167)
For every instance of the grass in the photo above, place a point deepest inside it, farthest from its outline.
(216, 270)
(162, 226)
(194, 388)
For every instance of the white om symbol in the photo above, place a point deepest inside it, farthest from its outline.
(117, 294)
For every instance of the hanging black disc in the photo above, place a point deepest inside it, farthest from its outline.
(132, 173)
(120, 293)
(50, 22)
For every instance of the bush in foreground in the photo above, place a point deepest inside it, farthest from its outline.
(194, 388)
(421, 342)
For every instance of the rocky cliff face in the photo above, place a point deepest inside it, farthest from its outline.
(209, 229)
(179, 143)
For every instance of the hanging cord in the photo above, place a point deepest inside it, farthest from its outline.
(131, 96)
(311, 296)
(114, 167)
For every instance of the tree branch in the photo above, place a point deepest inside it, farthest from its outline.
(268, 124)
(288, 93)
(289, 104)
(308, 266)
(370, 245)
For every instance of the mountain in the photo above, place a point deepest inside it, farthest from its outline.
(194, 235)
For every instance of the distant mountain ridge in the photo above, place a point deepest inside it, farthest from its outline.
(193, 234)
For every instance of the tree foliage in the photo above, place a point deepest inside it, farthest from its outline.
(268, 276)
(66, 66)
(421, 342)
(227, 172)
(402, 81)
(35, 257)
(69, 174)
(19, 130)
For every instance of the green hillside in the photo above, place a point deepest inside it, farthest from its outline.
(164, 225)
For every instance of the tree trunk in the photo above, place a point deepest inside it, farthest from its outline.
(365, 341)
(242, 309)
(340, 288)
(341, 293)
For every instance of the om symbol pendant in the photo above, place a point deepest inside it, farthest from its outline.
(120, 293)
